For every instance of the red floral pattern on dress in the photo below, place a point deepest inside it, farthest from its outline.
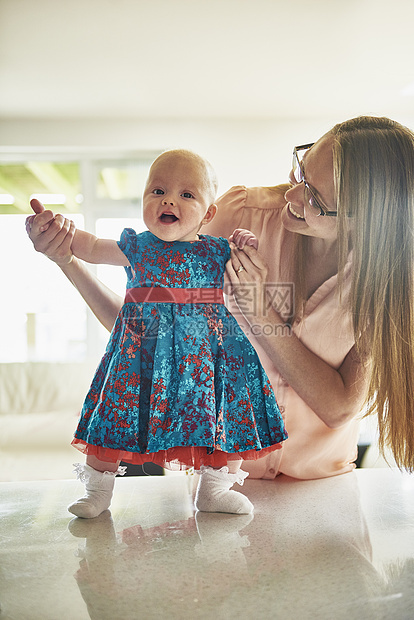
(178, 383)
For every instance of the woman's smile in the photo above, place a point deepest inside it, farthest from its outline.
(295, 213)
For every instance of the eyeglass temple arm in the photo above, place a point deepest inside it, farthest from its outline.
(303, 146)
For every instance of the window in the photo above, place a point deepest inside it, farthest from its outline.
(42, 317)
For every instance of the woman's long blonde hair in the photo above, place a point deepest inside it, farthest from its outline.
(374, 182)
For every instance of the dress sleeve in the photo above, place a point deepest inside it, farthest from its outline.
(128, 242)
(226, 246)
(229, 214)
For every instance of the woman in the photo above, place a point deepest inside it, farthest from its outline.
(341, 236)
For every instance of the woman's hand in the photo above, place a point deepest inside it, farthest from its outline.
(247, 272)
(343, 389)
(51, 235)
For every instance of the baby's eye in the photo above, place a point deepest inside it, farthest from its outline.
(158, 192)
(187, 195)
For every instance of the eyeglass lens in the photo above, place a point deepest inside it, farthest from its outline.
(298, 173)
(298, 154)
(297, 168)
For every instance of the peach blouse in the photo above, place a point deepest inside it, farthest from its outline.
(312, 450)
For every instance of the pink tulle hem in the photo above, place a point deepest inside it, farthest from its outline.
(178, 458)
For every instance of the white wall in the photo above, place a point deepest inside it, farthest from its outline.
(250, 152)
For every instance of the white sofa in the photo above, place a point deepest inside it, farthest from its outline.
(39, 407)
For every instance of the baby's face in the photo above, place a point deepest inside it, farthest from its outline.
(177, 198)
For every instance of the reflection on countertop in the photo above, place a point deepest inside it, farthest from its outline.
(329, 549)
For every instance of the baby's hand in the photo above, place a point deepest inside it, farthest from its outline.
(242, 237)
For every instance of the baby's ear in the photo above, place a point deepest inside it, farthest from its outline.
(211, 212)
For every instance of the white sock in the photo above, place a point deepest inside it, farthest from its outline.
(99, 487)
(213, 492)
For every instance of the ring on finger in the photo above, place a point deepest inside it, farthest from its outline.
(240, 269)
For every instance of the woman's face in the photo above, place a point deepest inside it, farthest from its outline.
(298, 215)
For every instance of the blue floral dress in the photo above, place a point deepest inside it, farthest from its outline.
(179, 383)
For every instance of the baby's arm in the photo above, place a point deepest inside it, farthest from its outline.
(84, 245)
(97, 251)
(242, 237)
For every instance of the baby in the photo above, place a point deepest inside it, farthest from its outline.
(179, 383)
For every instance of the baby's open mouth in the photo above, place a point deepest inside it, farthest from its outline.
(168, 218)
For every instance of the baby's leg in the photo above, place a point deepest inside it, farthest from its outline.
(92, 461)
(213, 491)
(99, 478)
(234, 466)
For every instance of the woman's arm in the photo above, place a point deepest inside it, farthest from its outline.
(53, 237)
(336, 396)
(104, 303)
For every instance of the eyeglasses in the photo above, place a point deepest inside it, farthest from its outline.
(299, 174)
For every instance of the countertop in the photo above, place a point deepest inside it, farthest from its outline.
(336, 548)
